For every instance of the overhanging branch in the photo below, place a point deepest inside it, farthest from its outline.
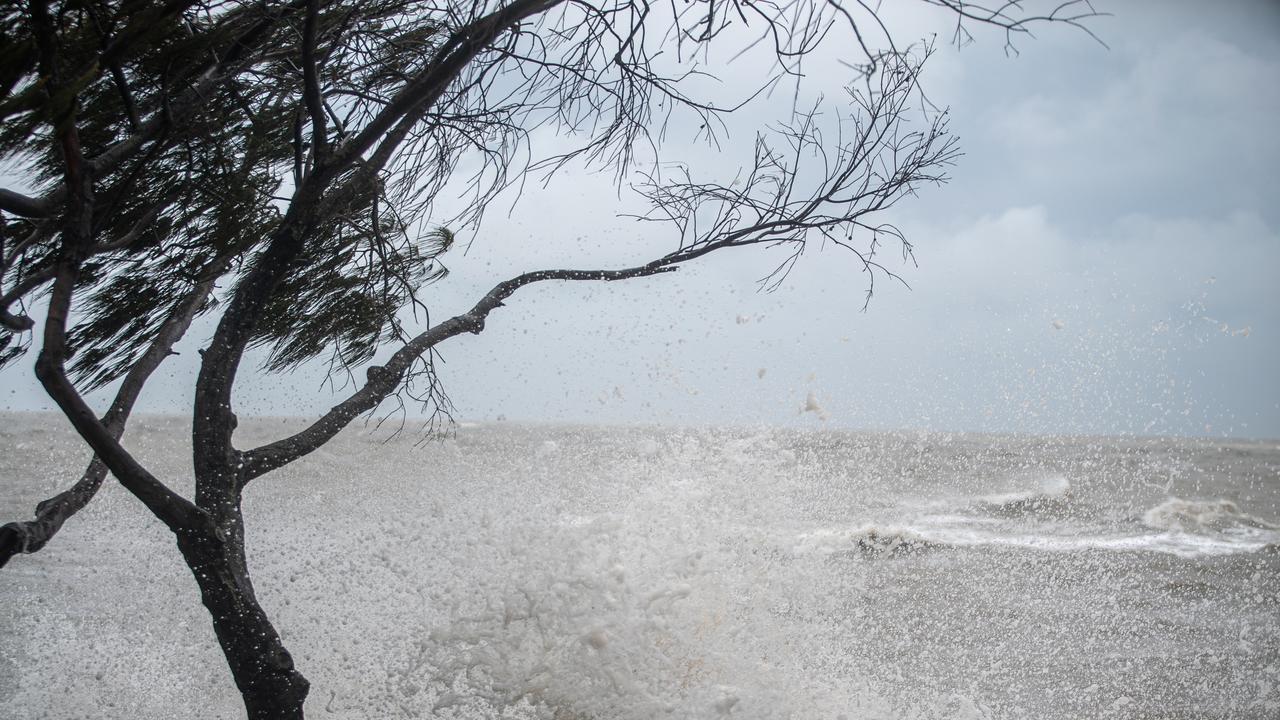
(32, 535)
(382, 380)
(24, 206)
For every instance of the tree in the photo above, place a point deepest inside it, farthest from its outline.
(277, 165)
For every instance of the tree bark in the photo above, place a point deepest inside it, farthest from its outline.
(32, 535)
(270, 685)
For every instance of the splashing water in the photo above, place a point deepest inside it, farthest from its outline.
(584, 573)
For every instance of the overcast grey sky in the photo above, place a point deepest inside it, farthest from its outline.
(1103, 261)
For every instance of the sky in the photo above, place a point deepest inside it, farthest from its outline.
(1103, 261)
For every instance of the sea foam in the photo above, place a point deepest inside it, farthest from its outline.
(1200, 516)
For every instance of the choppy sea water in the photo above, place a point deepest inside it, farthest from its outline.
(579, 572)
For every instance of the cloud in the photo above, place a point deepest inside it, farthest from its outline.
(1115, 211)
(1183, 123)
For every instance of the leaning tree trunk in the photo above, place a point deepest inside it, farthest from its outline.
(261, 666)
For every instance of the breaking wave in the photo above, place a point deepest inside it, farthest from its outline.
(868, 541)
(1202, 516)
(872, 543)
(1053, 496)
(1033, 521)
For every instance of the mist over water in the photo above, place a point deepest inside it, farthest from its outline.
(589, 572)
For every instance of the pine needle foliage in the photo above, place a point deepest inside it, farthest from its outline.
(207, 190)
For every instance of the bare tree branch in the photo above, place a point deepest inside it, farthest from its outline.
(311, 83)
(382, 380)
(770, 207)
(176, 512)
(32, 535)
(452, 58)
(24, 286)
(23, 206)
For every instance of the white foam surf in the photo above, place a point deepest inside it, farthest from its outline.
(867, 540)
(1203, 516)
(1053, 493)
(872, 542)
(566, 574)
(1186, 528)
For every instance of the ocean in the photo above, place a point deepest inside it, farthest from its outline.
(557, 572)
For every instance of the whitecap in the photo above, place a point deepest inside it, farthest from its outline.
(1201, 516)
(1053, 493)
(867, 540)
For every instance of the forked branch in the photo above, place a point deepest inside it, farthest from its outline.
(876, 161)
(32, 535)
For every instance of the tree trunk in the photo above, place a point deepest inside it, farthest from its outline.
(263, 669)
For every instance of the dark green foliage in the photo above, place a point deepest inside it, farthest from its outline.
(206, 194)
(345, 292)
